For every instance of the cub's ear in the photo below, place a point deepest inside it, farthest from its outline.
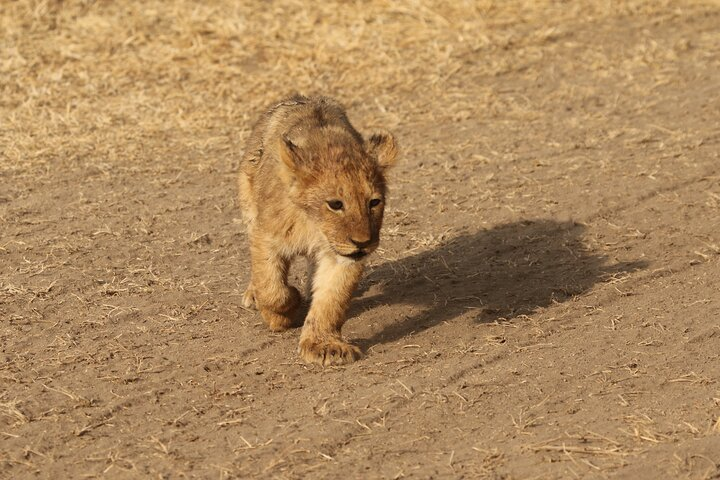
(290, 155)
(384, 147)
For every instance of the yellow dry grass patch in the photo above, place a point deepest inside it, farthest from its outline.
(124, 81)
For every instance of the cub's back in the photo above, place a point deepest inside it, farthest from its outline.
(295, 118)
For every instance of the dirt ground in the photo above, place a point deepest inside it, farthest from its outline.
(544, 303)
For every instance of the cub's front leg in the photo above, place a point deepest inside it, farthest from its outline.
(277, 301)
(333, 284)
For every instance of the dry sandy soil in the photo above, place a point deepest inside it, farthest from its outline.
(544, 303)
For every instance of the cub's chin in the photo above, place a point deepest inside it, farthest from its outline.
(359, 255)
(352, 257)
(344, 260)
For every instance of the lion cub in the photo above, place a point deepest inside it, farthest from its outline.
(311, 185)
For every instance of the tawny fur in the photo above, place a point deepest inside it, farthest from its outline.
(304, 159)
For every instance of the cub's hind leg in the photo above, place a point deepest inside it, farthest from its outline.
(249, 214)
(311, 264)
(248, 300)
(321, 340)
(277, 301)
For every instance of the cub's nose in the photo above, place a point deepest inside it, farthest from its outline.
(361, 243)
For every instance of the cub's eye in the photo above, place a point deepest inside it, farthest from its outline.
(375, 202)
(335, 204)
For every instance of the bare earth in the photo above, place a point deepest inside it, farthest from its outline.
(545, 302)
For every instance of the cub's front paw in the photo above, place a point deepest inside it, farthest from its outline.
(283, 316)
(328, 351)
(278, 322)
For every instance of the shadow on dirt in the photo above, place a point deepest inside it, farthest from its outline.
(501, 273)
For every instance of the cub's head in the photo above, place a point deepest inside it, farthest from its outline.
(339, 182)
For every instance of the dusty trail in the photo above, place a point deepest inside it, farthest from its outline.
(544, 303)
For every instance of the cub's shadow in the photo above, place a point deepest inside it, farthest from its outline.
(495, 274)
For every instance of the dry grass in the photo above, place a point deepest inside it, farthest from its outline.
(99, 80)
(120, 128)
(11, 410)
